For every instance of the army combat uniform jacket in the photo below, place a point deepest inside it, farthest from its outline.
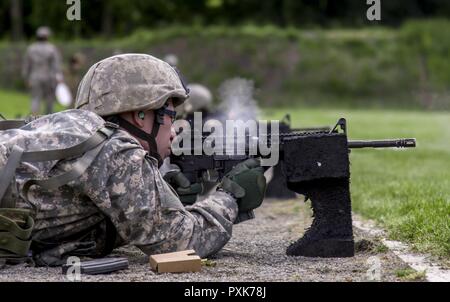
(42, 63)
(121, 198)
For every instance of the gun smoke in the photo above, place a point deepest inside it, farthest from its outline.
(237, 102)
(236, 131)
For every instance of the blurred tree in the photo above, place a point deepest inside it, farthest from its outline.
(120, 17)
(16, 20)
(107, 18)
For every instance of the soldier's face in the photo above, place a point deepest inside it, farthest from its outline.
(166, 134)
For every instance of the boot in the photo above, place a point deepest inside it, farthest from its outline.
(331, 232)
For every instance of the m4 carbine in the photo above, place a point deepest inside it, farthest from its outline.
(316, 165)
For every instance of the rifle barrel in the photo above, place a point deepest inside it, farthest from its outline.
(388, 143)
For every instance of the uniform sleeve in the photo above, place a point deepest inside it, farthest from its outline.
(146, 212)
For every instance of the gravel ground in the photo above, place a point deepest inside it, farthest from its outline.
(255, 253)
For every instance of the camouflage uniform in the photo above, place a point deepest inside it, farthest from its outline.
(41, 66)
(120, 199)
(122, 188)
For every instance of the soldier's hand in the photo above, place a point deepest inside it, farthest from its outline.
(247, 183)
(186, 191)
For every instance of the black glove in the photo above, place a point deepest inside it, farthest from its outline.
(246, 182)
(185, 190)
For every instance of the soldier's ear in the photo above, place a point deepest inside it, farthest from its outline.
(139, 118)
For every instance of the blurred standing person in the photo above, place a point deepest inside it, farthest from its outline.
(42, 70)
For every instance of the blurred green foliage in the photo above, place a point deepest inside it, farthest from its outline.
(431, 39)
(369, 67)
(120, 18)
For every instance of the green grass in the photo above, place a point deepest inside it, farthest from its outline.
(15, 104)
(411, 275)
(407, 191)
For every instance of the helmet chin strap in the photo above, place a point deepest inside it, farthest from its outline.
(150, 138)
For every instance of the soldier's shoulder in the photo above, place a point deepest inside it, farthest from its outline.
(42, 46)
(124, 141)
(124, 145)
(123, 150)
(33, 47)
(52, 47)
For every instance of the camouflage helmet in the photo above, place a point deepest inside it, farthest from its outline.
(200, 98)
(43, 32)
(129, 82)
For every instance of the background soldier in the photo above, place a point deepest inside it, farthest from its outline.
(74, 73)
(172, 59)
(200, 100)
(42, 71)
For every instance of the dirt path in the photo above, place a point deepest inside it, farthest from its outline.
(255, 253)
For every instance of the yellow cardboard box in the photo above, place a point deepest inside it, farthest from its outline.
(178, 262)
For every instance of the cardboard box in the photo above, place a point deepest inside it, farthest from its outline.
(178, 262)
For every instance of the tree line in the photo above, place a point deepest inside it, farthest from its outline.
(20, 18)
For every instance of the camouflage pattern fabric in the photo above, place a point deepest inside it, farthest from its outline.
(122, 186)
